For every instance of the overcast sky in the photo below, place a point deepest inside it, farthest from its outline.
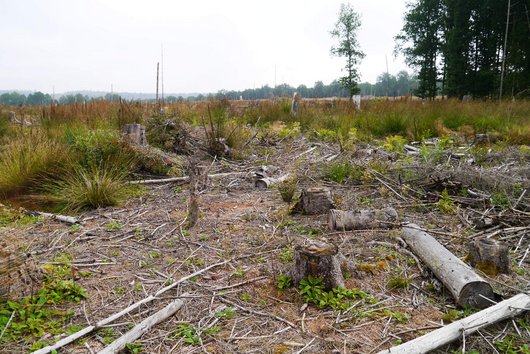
(208, 45)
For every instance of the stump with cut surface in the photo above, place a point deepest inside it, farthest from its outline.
(319, 260)
(313, 201)
(134, 134)
(489, 256)
(362, 219)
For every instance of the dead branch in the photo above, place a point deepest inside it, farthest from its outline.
(143, 327)
(506, 309)
(185, 178)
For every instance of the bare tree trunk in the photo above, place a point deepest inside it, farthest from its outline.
(193, 205)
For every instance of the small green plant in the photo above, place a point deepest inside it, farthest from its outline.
(286, 256)
(287, 189)
(188, 333)
(245, 297)
(512, 345)
(397, 282)
(312, 290)
(395, 143)
(499, 199)
(134, 348)
(337, 171)
(113, 226)
(283, 282)
(212, 331)
(445, 204)
(226, 314)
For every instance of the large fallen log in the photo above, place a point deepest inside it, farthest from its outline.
(506, 309)
(142, 328)
(362, 219)
(467, 287)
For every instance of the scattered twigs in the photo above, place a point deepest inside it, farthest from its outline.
(123, 312)
(142, 328)
(259, 313)
(506, 309)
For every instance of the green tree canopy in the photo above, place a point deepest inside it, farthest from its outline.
(345, 32)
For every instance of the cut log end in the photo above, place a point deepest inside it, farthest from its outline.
(477, 294)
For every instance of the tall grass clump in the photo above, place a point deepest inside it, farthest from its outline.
(95, 186)
(28, 160)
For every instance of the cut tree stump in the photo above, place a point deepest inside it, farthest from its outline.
(134, 134)
(313, 201)
(319, 260)
(506, 309)
(467, 287)
(362, 219)
(489, 256)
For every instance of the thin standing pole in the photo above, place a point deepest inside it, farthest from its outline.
(504, 49)
(157, 72)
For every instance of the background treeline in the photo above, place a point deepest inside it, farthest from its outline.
(457, 47)
(386, 85)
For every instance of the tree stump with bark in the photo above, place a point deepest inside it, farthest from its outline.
(489, 256)
(134, 134)
(313, 201)
(319, 260)
(362, 219)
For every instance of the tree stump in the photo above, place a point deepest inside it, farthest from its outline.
(489, 256)
(319, 260)
(134, 134)
(313, 201)
(362, 219)
(13, 117)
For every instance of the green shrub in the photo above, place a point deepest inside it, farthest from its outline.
(95, 146)
(337, 171)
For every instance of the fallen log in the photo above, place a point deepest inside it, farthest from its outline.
(362, 219)
(506, 309)
(185, 178)
(64, 218)
(266, 182)
(319, 260)
(75, 336)
(142, 328)
(467, 287)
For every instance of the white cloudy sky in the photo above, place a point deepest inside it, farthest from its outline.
(208, 45)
